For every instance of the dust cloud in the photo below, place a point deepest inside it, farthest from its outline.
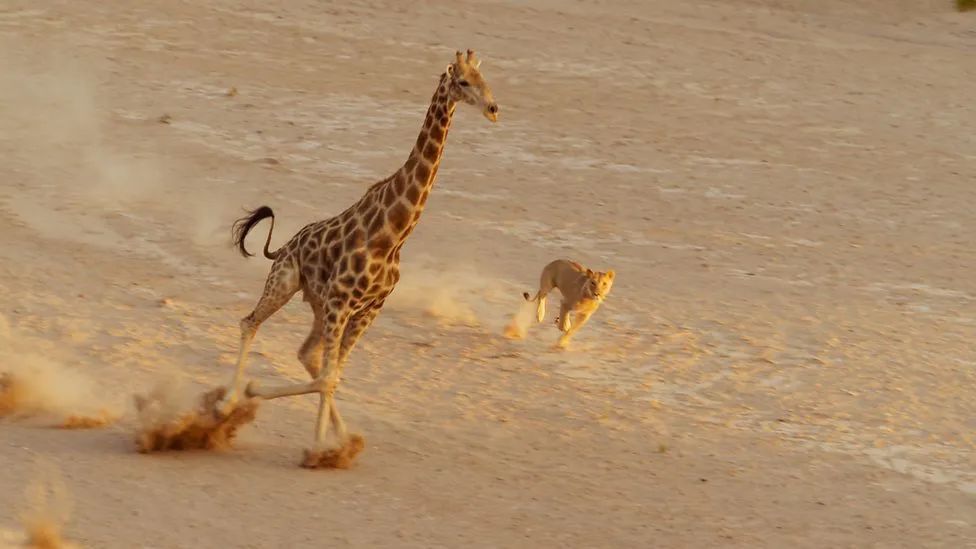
(33, 385)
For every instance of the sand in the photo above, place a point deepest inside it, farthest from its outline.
(785, 190)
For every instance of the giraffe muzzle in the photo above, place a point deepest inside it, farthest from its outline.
(491, 112)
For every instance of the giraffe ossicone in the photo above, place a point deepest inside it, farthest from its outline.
(346, 266)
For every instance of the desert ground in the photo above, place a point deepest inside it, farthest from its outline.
(785, 189)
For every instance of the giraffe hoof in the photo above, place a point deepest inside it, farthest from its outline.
(335, 458)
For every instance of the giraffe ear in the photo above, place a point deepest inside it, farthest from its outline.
(611, 274)
(477, 64)
(589, 272)
(450, 69)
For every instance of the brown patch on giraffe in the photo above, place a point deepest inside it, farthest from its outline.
(348, 281)
(421, 141)
(444, 121)
(422, 173)
(376, 224)
(338, 301)
(202, 428)
(331, 235)
(431, 151)
(370, 214)
(399, 184)
(335, 458)
(357, 262)
(362, 283)
(349, 226)
(413, 194)
(357, 239)
(389, 197)
(335, 252)
(317, 257)
(437, 133)
(374, 268)
(308, 273)
(398, 217)
(411, 162)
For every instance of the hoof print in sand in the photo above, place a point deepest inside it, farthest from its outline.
(204, 428)
(335, 458)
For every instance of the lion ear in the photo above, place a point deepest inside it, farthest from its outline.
(611, 274)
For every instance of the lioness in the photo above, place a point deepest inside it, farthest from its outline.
(583, 290)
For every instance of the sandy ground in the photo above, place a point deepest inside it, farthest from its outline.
(785, 189)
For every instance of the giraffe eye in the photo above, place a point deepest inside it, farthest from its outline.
(463, 83)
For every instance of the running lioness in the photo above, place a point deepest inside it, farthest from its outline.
(583, 290)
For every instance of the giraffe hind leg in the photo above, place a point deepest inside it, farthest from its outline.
(281, 285)
(310, 353)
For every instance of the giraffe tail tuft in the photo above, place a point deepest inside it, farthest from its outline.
(244, 225)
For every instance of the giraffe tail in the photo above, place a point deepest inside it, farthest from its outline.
(244, 225)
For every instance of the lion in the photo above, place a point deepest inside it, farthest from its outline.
(583, 291)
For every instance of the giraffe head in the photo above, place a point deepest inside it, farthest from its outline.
(468, 85)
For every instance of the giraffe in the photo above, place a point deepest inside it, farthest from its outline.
(346, 266)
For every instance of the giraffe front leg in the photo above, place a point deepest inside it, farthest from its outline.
(320, 455)
(357, 326)
(328, 379)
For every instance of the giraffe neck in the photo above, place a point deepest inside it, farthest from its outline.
(412, 183)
